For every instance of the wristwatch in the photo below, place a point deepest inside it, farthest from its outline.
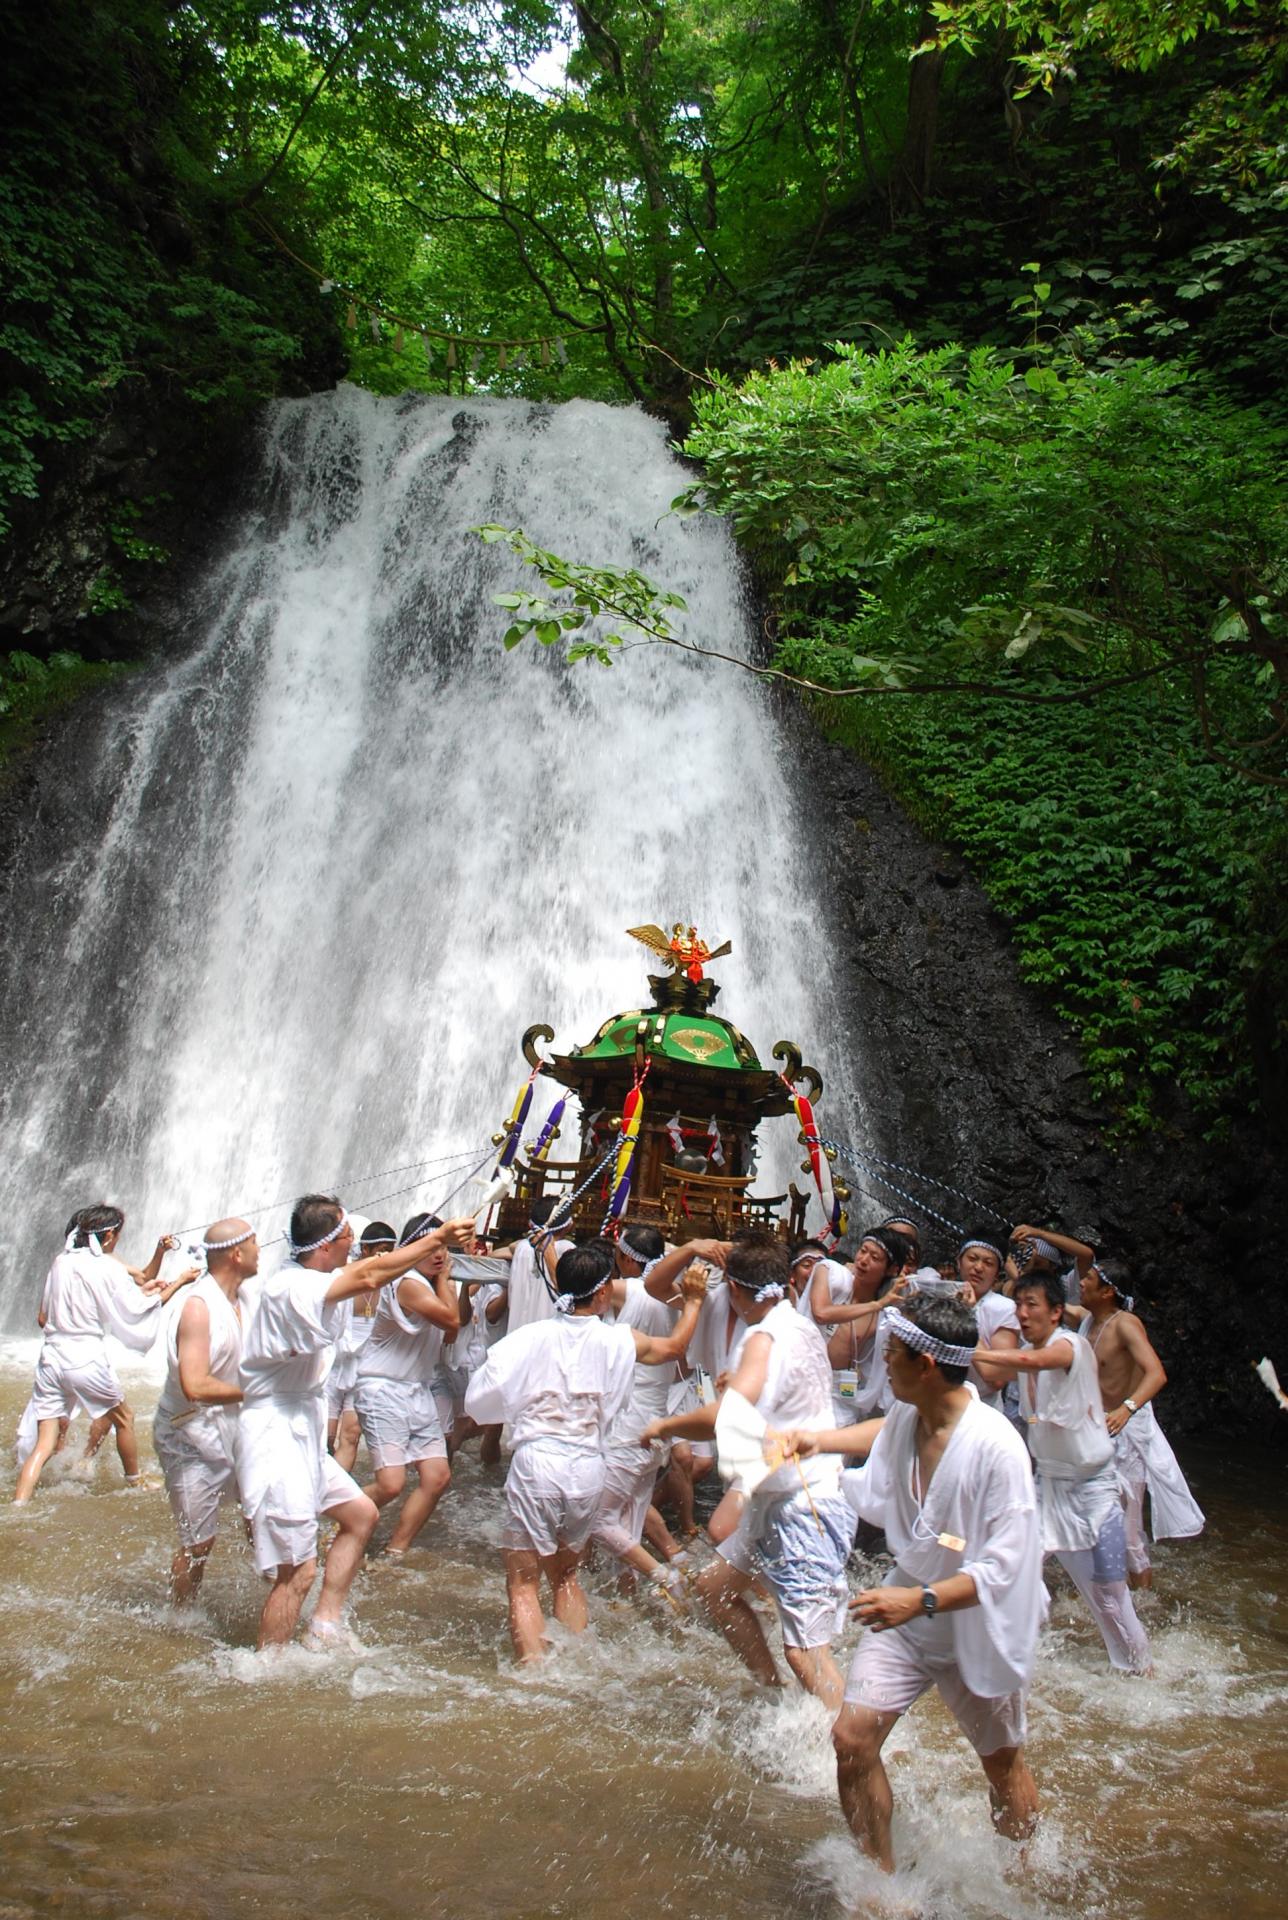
(929, 1600)
(1131, 1406)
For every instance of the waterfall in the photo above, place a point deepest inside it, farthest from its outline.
(288, 901)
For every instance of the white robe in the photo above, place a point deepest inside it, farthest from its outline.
(981, 1492)
(198, 1429)
(564, 1380)
(1072, 1449)
(993, 1311)
(531, 1298)
(287, 1478)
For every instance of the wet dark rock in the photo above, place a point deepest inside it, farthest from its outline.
(970, 1075)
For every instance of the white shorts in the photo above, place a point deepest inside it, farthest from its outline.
(889, 1674)
(399, 1421)
(196, 1485)
(624, 1502)
(67, 1381)
(341, 1385)
(288, 1479)
(448, 1388)
(685, 1398)
(552, 1491)
(802, 1558)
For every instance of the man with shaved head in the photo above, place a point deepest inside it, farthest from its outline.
(195, 1427)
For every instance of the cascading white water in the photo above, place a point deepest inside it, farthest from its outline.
(294, 898)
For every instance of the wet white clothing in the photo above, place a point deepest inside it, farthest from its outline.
(993, 1312)
(564, 1379)
(561, 1383)
(797, 1541)
(532, 1297)
(87, 1296)
(196, 1441)
(1146, 1464)
(287, 1478)
(403, 1344)
(401, 1421)
(840, 1287)
(1071, 1447)
(355, 1324)
(981, 1494)
(651, 1386)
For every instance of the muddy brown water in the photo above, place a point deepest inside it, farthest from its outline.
(157, 1766)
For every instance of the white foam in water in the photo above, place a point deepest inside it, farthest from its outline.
(314, 878)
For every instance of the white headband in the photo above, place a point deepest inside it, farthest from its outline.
(1117, 1292)
(989, 1246)
(922, 1342)
(326, 1239)
(222, 1246)
(567, 1301)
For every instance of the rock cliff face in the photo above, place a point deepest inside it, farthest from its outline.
(974, 1080)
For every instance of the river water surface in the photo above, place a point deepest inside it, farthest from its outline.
(157, 1766)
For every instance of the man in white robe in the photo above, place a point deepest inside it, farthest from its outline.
(194, 1430)
(398, 1407)
(532, 1269)
(1079, 1496)
(286, 1476)
(343, 1431)
(88, 1295)
(980, 1259)
(562, 1383)
(796, 1531)
(842, 1302)
(948, 1481)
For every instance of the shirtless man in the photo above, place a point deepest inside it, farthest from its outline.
(287, 1478)
(89, 1294)
(948, 1482)
(796, 1531)
(1131, 1375)
(1073, 1452)
(562, 1383)
(195, 1425)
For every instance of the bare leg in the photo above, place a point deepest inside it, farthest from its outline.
(862, 1781)
(726, 1517)
(1012, 1793)
(722, 1588)
(99, 1428)
(282, 1608)
(356, 1520)
(659, 1535)
(434, 1478)
(523, 1593)
(676, 1486)
(387, 1485)
(490, 1446)
(567, 1597)
(32, 1467)
(344, 1444)
(186, 1569)
(122, 1418)
(818, 1673)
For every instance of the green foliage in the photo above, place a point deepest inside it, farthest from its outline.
(940, 518)
(33, 690)
(1139, 881)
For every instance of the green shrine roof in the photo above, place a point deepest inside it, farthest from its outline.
(692, 1039)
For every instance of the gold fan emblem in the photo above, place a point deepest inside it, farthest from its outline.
(697, 1042)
